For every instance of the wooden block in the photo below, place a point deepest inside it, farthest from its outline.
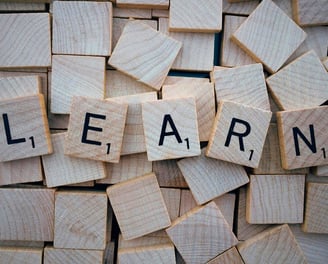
(62, 170)
(275, 199)
(170, 80)
(189, 232)
(27, 214)
(20, 86)
(181, 138)
(317, 179)
(269, 34)
(27, 35)
(321, 170)
(60, 255)
(196, 16)
(241, 8)
(205, 103)
(17, 255)
(22, 243)
(24, 128)
(209, 178)
(301, 84)
(302, 137)
(226, 204)
(95, 129)
(9, 6)
(159, 13)
(197, 52)
(160, 4)
(277, 245)
(132, 12)
(82, 28)
(75, 76)
(187, 203)
(246, 123)
(172, 201)
(316, 208)
(129, 167)
(310, 13)
(243, 84)
(154, 239)
(151, 52)
(80, 220)
(141, 212)
(286, 6)
(229, 256)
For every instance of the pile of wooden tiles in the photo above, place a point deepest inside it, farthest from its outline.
(157, 131)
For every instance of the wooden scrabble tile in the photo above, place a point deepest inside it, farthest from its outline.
(75, 76)
(301, 84)
(22, 243)
(189, 232)
(286, 6)
(209, 178)
(160, 4)
(277, 245)
(159, 13)
(227, 257)
(141, 212)
(187, 202)
(205, 103)
(27, 214)
(133, 137)
(243, 84)
(310, 13)
(15, 6)
(171, 128)
(226, 204)
(24, 130)
(25, 40)
(60, 255)
(275, 199)
(316, 208)
(80, 220)
(132, 12)
(95, 129)
(262, 30)
(16, 255)
(321, 170)
(129, 167)
(241, 8)
(11, 87)
(82, 28)
(197, 52)
(170, 80)
(238, 134)
(144, 54)
(153, 239)
(302, 137)
(172, 198)
(60, 169)
(196, 15)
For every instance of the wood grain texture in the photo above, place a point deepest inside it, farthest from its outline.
(153, 239)
(111, 120)
(325, 63)
(285, 6)
(310, 13)
(172, 199)
(109, 253)
(27, 214)
(160, 4)
(160, 13)
(241, 8)
(193, 236)
(295, 153)
(261, 30)
(277, 245)
(132, 12)
(229, 256)
(25, 40)
(321, 170)
(17, 255)
(80, 220)
(11, 87)
(75, 76)
(60, 169)
(170, 80)
(226, 204)
(188, 202)
(14, 6)
(316, 208)
(144, 53)
(22, 243)
(317, 179)
(141, 212)
(195, 15)
(275, 199)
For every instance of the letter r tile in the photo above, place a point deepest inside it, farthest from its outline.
(96, 129)
(238, 134)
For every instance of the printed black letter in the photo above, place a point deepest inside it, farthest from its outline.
(174, 132)
(311, 145)
(10, 140)
(86, 127)
(239, 135)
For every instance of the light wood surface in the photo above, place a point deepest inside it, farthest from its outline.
(285, 6)
(321, 170)
(16, 255)
(153, 239)
(226, 204)
(170, 80)
(11, 87)
(14, 6)
(241, 8)
(310, 13)
(325, 63)
(132, 12)
(227, 257)
(22, 243)
(159, 13)
(172, 199)
(160, 4)
(187, 202)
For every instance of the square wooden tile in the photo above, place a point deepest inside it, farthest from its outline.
(160, 4)
(310, 13)
(21, 255)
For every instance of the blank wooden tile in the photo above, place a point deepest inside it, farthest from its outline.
(17, 6)
(141, 212)
(301, 84)
(11, 87)
(243, 84)
(82, 28)
(95, 129)
(226, 204)
(286, 6)
(144, 54)
(60, 169)
(25, 40)
(262, 30)
(321, 170)
(75, 76)
(238, 134)
(239, 8)
(27, 214)
(170, 80)
(24, 130)
(80, 220)
(310, 13)
(172, 198)
(196, 15)
(205, 103)
(275, 199)
(160, 4)
(189, 232)
(132, 13)
(229, 256)
(277, 245)
(18, 255)
(302, 137)
(171, 128)
(187, 201)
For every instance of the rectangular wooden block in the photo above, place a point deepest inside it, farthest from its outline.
(188, 202)
(321, 170)
(310, 13)
(171, 128)
(18, 255)
(15, 6)
(302, 137)
(22, 243)
(27, 35)
(11, 87)
(229, 256)
(153, 239)
(160, 4)
(241, 8)
(160, 13)
(172, 199)
(170, 80)
(96, 129)
(132, 13)
(24, 130)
